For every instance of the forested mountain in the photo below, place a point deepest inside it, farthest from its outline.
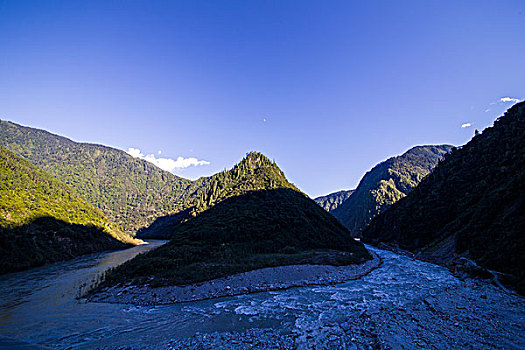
(254, 229)
(472, 204)
(131, 192)
(385, 184)
(254, 172)
(43, 220)
(333, 200)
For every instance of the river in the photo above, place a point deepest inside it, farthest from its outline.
(403, 304)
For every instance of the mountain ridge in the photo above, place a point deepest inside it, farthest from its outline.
(254, 172)
(130, 191)
(331, 201)
(259, 220)
(386, 183)
(471, 205)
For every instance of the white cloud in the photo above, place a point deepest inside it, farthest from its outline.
(135, 152)
(466, 125)
(509, 99)
(167, 164)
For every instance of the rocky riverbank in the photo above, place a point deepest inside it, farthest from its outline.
(261, 280)
(405, 304)
(467, 316)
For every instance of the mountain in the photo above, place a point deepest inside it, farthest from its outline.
(386, 183)
(130, 191)
(472, 205)
(254, 219)
(333, 200)
(43, 220)
(254, 172)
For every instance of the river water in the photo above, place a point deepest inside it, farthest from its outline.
(403, 304)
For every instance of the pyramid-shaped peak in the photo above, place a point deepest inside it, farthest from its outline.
(255, 159)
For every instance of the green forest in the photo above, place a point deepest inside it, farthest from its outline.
(131, 192)
(259, 228)
(471, 205)
(386, 183)
(61, 199)
(44, 220)
(254, 172)
(331, 201)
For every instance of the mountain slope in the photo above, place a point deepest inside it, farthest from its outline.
(333, 200)
(254, 172)
(472, 205)
(386, 183)
(131, 192)
(43, 220)
(253, 230)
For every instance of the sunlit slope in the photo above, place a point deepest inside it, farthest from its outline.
(254, 172)
(43, 220)
(130, 191)
(386, 183)
(333, 200)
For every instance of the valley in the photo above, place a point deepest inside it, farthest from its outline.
(241, 175)
(248, 260)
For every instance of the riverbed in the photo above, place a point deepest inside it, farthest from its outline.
(405, 303)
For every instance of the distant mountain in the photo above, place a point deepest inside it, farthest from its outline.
(333, 200)
(254, 219)
(254, 172)
(385, 184)
(131, 192)
(472, 205)
(43, 220)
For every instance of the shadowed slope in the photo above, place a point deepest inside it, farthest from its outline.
(46, 240)
(71, 225)
(472, 205)
(254, 172)
(254, 230)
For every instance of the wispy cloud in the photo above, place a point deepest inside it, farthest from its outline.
(509, 99)
(466, 125)
(167, 164)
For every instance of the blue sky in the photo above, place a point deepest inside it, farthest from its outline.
(326, 88)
